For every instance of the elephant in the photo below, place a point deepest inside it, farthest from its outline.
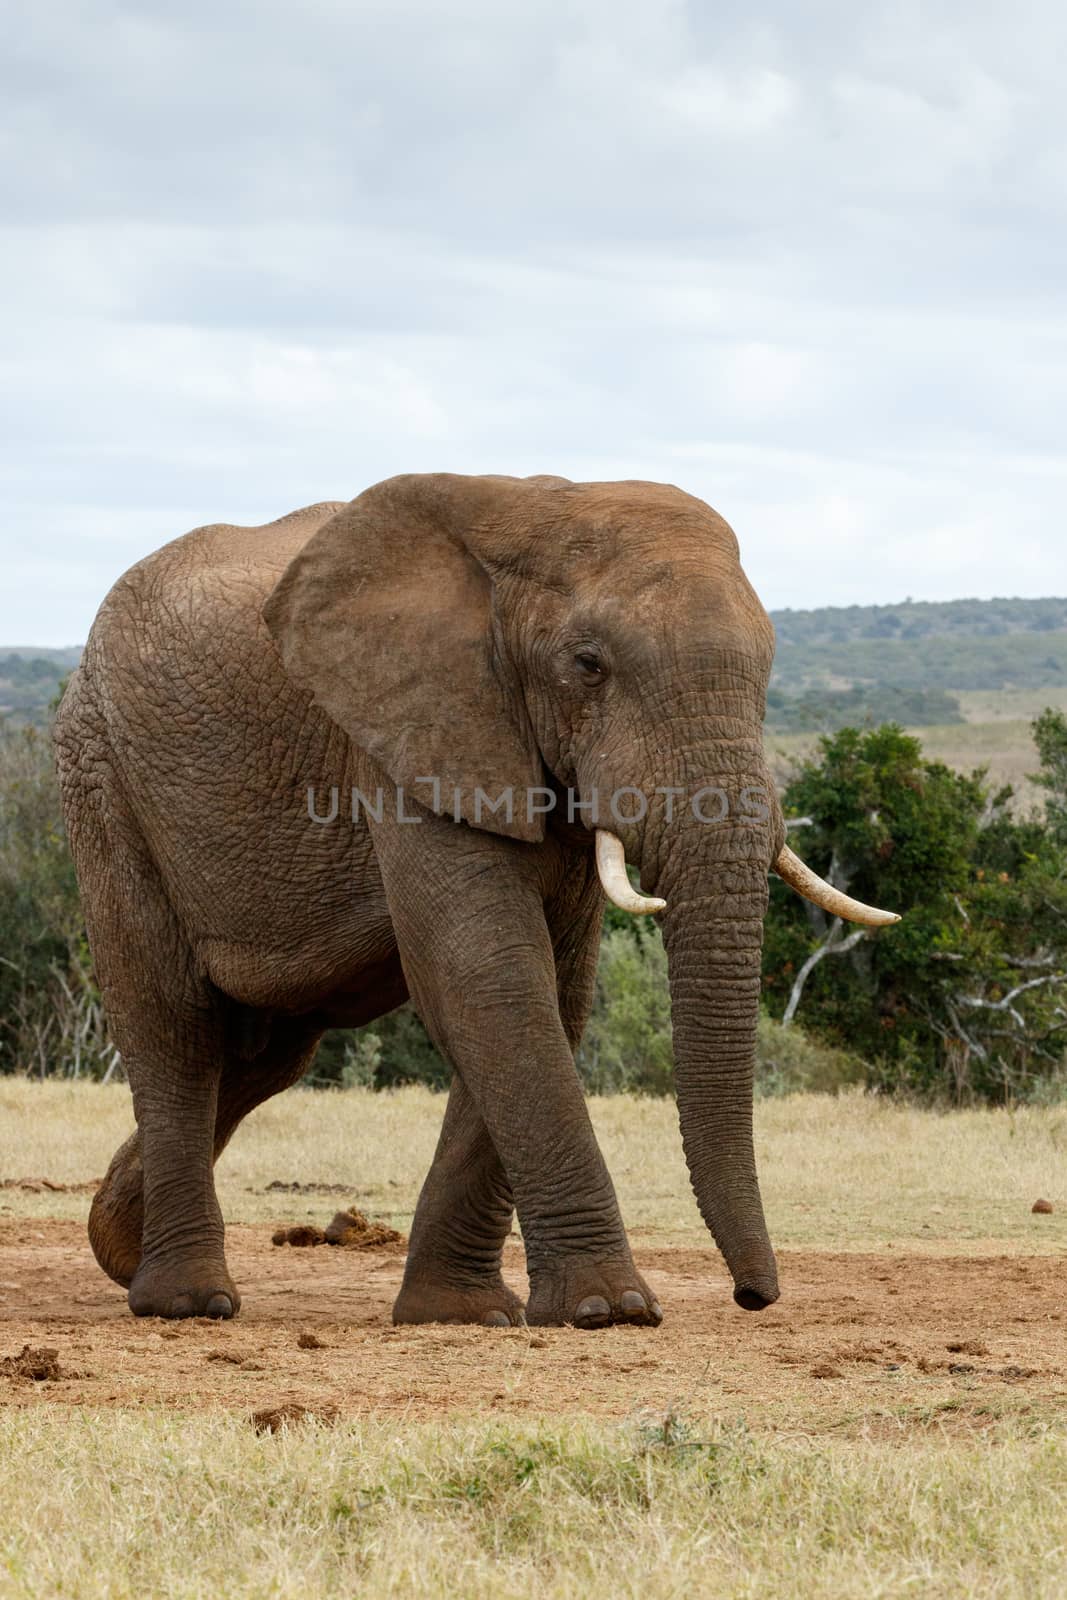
(431, 647)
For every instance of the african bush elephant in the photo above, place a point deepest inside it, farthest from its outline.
(435, 645)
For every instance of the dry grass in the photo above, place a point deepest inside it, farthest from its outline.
(127, 1504)
(995, 735)
(851, 1172)
(1005, 747)
(956, 1497)
(1010, 705)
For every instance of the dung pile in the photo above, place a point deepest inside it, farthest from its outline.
(350, 1230)
(35, 1362)
(353, 1231)
(273, 1419)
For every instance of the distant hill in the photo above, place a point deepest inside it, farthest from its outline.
(907, 662)
(920, 619)
(30, 677)
(66, 656)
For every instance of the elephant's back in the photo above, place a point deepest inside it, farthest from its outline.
(205, 559)
(179, 659)
(194, 604)
(262, 548)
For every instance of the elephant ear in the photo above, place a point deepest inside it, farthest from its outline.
(386, 616)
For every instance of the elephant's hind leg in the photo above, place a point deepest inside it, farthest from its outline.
(116, 1218)
(182, 1271)
(169, 1024)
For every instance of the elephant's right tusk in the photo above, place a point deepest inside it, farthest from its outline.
(611, 870)
(800, 877)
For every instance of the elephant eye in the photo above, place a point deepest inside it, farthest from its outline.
(591, 666)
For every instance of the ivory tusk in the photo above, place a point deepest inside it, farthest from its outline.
(793, 871)
(611, 870)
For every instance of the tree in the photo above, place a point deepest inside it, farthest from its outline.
(1050, 737)
(50, 1013)
(966, 995)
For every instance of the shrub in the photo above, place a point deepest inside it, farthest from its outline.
(50, 1013)
(964, 1000)
(627, 1043)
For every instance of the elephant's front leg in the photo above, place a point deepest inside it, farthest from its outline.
(469, 915)
(461, 1221)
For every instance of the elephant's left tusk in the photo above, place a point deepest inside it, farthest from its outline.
(800, 877)
(611, 869)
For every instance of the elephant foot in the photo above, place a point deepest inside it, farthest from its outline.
(116, 1216)
(429, 1299)
(591, 1294)
(183, 1288)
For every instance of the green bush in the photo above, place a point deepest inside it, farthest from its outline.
(627, 1042)
(389, 1051)
(50, 1014)
(788, 1061)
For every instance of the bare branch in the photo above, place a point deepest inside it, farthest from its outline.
(1029, 962)
(962, 1034)
(976, 1002)
(831, 946)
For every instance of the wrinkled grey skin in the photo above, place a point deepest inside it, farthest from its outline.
(435, 625)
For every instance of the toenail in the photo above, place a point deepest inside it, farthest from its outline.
(220, 1305)
(496, 1319)
(594, 1312)
(657, 1312)
(633, 1305)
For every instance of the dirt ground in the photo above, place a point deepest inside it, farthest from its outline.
(900, 1337)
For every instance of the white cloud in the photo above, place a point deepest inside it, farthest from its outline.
(809, 265)
(704, 100)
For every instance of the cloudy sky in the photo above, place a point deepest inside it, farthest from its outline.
(807, 262)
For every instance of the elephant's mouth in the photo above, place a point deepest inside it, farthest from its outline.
(611, 867)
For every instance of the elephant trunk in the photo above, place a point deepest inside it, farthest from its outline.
(713, 931)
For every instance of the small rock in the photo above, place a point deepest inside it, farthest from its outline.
(1042, 1208)
(825, 1369)
(309, 1341)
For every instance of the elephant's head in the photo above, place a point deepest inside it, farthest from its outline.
(498, 633)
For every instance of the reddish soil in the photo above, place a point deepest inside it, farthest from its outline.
(854, 1336)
